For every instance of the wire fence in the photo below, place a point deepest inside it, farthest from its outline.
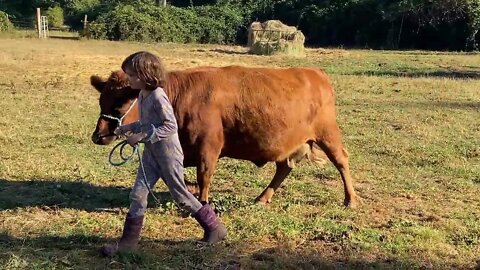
(30, 25)
(24, 24)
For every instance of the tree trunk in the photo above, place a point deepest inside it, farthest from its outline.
(471, 43)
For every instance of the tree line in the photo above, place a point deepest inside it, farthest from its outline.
(378, 24)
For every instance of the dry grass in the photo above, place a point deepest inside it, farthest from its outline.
(273, 37)
(409, 119)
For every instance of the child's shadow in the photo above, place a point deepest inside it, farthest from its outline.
(55, 194)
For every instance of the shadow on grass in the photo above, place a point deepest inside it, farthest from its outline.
(230, 51)
(433, 104)
(65, 37)
(454, 74)
(450, 104)
(53, 194)
(83, 251)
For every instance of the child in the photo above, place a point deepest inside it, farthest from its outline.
(162, 156)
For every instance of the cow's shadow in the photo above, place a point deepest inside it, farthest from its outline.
(54, 194)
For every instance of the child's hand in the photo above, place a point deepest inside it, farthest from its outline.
(135, 138)
(118, 131)
(122, 131)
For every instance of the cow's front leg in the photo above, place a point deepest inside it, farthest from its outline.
(280, 174)
(209, 154)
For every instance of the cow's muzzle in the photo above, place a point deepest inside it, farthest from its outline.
(103, 139)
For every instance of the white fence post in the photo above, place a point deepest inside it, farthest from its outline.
(39, 24)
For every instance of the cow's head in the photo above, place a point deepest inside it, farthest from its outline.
(117, 105)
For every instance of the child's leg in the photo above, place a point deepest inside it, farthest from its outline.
(138, 205)
(139, 193)
(172, 175)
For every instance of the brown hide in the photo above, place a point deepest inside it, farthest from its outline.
(255, 114)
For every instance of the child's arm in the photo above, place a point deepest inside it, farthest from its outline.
(169, 126)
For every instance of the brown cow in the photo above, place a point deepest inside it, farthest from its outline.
(255, 114)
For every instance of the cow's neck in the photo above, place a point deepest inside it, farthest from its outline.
(172, 88)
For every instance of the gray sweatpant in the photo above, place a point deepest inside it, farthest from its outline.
(161, 160)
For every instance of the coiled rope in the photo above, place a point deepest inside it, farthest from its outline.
(125, 159)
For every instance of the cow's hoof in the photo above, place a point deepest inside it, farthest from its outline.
(262, 201)
(352, 203)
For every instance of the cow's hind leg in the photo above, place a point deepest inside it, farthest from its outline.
(330, 142)
(280, 174)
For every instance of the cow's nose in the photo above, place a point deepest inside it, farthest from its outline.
(96, 138)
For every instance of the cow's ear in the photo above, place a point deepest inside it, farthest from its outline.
(119, 80)
(98, 82)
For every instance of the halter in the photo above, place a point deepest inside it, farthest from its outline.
(120, 120)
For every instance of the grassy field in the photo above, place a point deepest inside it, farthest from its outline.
(410, 120)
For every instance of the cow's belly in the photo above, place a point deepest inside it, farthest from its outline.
(262, 146)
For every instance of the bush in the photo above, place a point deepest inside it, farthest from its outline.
(218, 24)
(55, 16)
(5, 24)
(96, 30)
(173, 24)
(205, 24)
